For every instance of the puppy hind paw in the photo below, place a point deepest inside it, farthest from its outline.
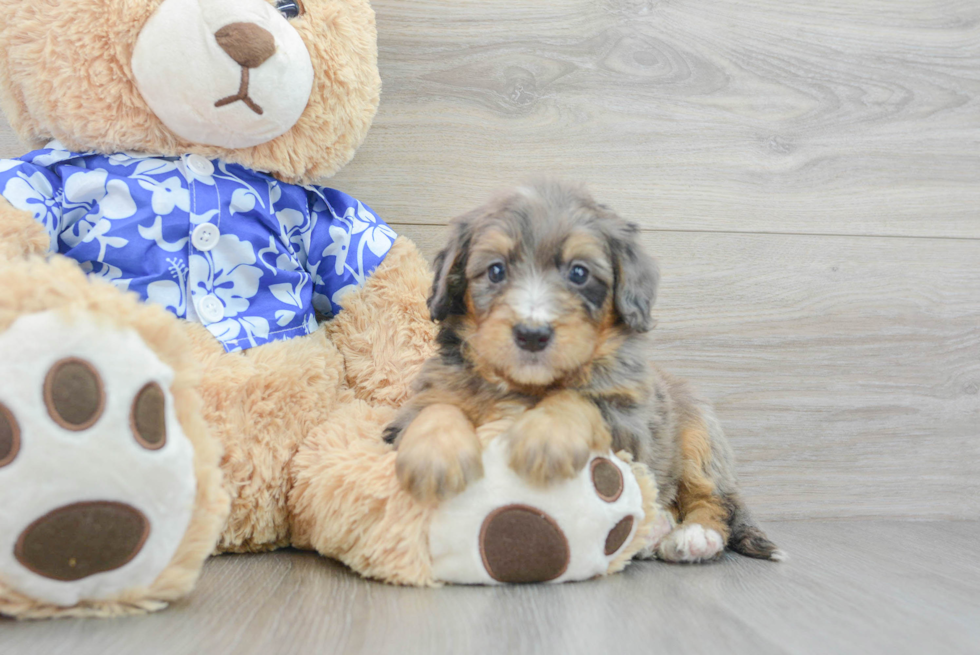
(691, 542)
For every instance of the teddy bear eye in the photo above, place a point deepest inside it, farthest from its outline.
(289, 8)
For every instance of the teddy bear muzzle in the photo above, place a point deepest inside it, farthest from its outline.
(250, 46)
(227, 73)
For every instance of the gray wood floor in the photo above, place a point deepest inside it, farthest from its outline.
(808, 174)
(861, 587)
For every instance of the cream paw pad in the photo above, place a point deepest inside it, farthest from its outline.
(504, 530)
(97, 482)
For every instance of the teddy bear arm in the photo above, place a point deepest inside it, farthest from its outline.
(385, 332)
(20, 234)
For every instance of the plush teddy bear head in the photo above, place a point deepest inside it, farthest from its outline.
(289, 87)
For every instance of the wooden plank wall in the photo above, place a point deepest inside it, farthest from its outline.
(806, 171)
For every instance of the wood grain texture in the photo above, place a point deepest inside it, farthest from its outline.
(845, 370)
(790, 116)
(850, 587)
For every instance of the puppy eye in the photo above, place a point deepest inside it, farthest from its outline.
(289, 8)
(578, 274)
(496, 273)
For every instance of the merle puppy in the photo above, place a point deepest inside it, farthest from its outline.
(544, 302)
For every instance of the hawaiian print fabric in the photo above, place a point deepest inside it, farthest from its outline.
(271, 256)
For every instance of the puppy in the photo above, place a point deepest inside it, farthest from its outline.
(544, 302)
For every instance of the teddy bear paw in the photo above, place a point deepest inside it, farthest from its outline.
(503, 529)
(97, 482)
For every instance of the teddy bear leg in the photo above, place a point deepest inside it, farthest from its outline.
(346, 501)
(260, 404)
(385, 332)
(348, 504)
(110, 496)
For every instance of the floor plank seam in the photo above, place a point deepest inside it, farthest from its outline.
(653, 230)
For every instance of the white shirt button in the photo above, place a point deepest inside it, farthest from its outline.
(205, 236)
(210, 309)
(200, 165)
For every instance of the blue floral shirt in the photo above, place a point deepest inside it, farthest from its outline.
(250, 257)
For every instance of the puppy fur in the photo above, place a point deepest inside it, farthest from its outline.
(545, 259)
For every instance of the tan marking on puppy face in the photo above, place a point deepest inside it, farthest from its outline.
(494, 245)
(588, 248)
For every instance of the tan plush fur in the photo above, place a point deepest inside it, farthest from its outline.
(37, 285)
(82, 91)
(261, 404)
(648, 488)
(384, 357)
(348, 504)
(20, 234)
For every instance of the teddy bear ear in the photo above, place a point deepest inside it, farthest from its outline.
(232, 79)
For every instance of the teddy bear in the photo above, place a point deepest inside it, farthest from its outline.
(200, 346)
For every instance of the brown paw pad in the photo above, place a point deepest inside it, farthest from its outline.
(618, 535)
(148, 418)
(74, 394)
(607, 479)
(76, 541)
(9, 436)
(523, 544)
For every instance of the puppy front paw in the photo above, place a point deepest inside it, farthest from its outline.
(543, 453)
(439, 454)
(554, 440)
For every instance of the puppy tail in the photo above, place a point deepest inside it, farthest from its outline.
(747, 538)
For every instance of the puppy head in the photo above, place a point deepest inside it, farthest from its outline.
(539, 281)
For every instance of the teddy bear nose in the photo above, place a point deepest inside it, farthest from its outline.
(247, 43)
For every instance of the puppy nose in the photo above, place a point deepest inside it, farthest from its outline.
(246, 43)
(533, 339)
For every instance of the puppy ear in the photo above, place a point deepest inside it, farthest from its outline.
(449, 284)
(637, 277)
